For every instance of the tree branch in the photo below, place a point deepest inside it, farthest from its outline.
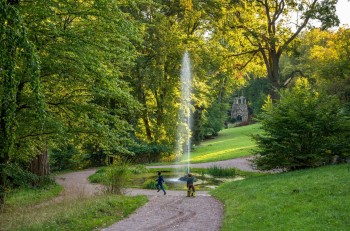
(291, 76)
(302, 26)
(246, 63)
(244, 53)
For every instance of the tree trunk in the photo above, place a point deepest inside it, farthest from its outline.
(274, 74)
(40, 165)
(2, 185)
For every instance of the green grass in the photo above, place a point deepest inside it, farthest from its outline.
(314, 199)
(231, 143)
(33, 209)
(82, 214)
(30, 196)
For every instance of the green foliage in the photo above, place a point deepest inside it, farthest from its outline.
(313, 199)
(20, 95)
(85, 49)
(99, 176)
(148, 153)
(19, 78)
(116, 178)
(62, 158)
(323, 56)
(151, 184)
(304, 129)
(255, 90)
(17, 176)
(217, 171)
(139, 169)
(216, 117)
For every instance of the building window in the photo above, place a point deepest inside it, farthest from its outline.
(239, 118)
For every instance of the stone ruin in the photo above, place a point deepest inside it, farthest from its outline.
(239, 110)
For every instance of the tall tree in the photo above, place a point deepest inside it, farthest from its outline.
(19, 77)
(85, 49)
(264, 30)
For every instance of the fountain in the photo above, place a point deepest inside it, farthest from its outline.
(184, 126)
(183, 141)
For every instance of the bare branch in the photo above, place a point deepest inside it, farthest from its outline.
(243, 53)
(291, 76)
(242, 66)
(297, 32)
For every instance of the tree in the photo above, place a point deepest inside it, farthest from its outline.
(263, 30)
(304, 129)
(324, 56)
(19, 78)
(170, 28)
(86, 47)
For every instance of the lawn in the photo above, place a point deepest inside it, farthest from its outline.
(231, 143)
(314, 199)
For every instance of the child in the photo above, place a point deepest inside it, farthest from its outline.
(159, 184)
(190, 185)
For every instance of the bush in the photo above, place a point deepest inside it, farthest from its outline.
(116, 178)
(151, 184)
(19, 177)
(147, 153)
(139, 169)
(62, 158)
(99, 176)
(304, 129)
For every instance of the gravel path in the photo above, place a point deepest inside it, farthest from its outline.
(173, 211)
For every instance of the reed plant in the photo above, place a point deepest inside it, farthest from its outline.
(217, 171)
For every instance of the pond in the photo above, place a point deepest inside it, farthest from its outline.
(202, 181)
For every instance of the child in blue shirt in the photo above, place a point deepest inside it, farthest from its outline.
(159, 184)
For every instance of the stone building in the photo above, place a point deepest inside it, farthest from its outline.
(239, 110)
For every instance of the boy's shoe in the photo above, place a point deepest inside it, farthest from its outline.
(158, 190)
(164, 193)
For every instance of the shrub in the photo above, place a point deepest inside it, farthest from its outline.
(304, 129)
(139, 169)
(62, 158)
(151, 184)
(147, 153)
(116, 178)
(19, 177)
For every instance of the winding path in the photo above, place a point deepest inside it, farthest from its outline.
(173, 211)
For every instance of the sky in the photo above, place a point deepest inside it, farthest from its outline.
(343, 12)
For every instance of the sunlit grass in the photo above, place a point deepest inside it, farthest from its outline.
(314, 199)
(231, 143)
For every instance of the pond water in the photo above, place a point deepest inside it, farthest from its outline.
(202, 182)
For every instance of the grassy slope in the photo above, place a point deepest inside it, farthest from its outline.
(231, 143)
(314, 199)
